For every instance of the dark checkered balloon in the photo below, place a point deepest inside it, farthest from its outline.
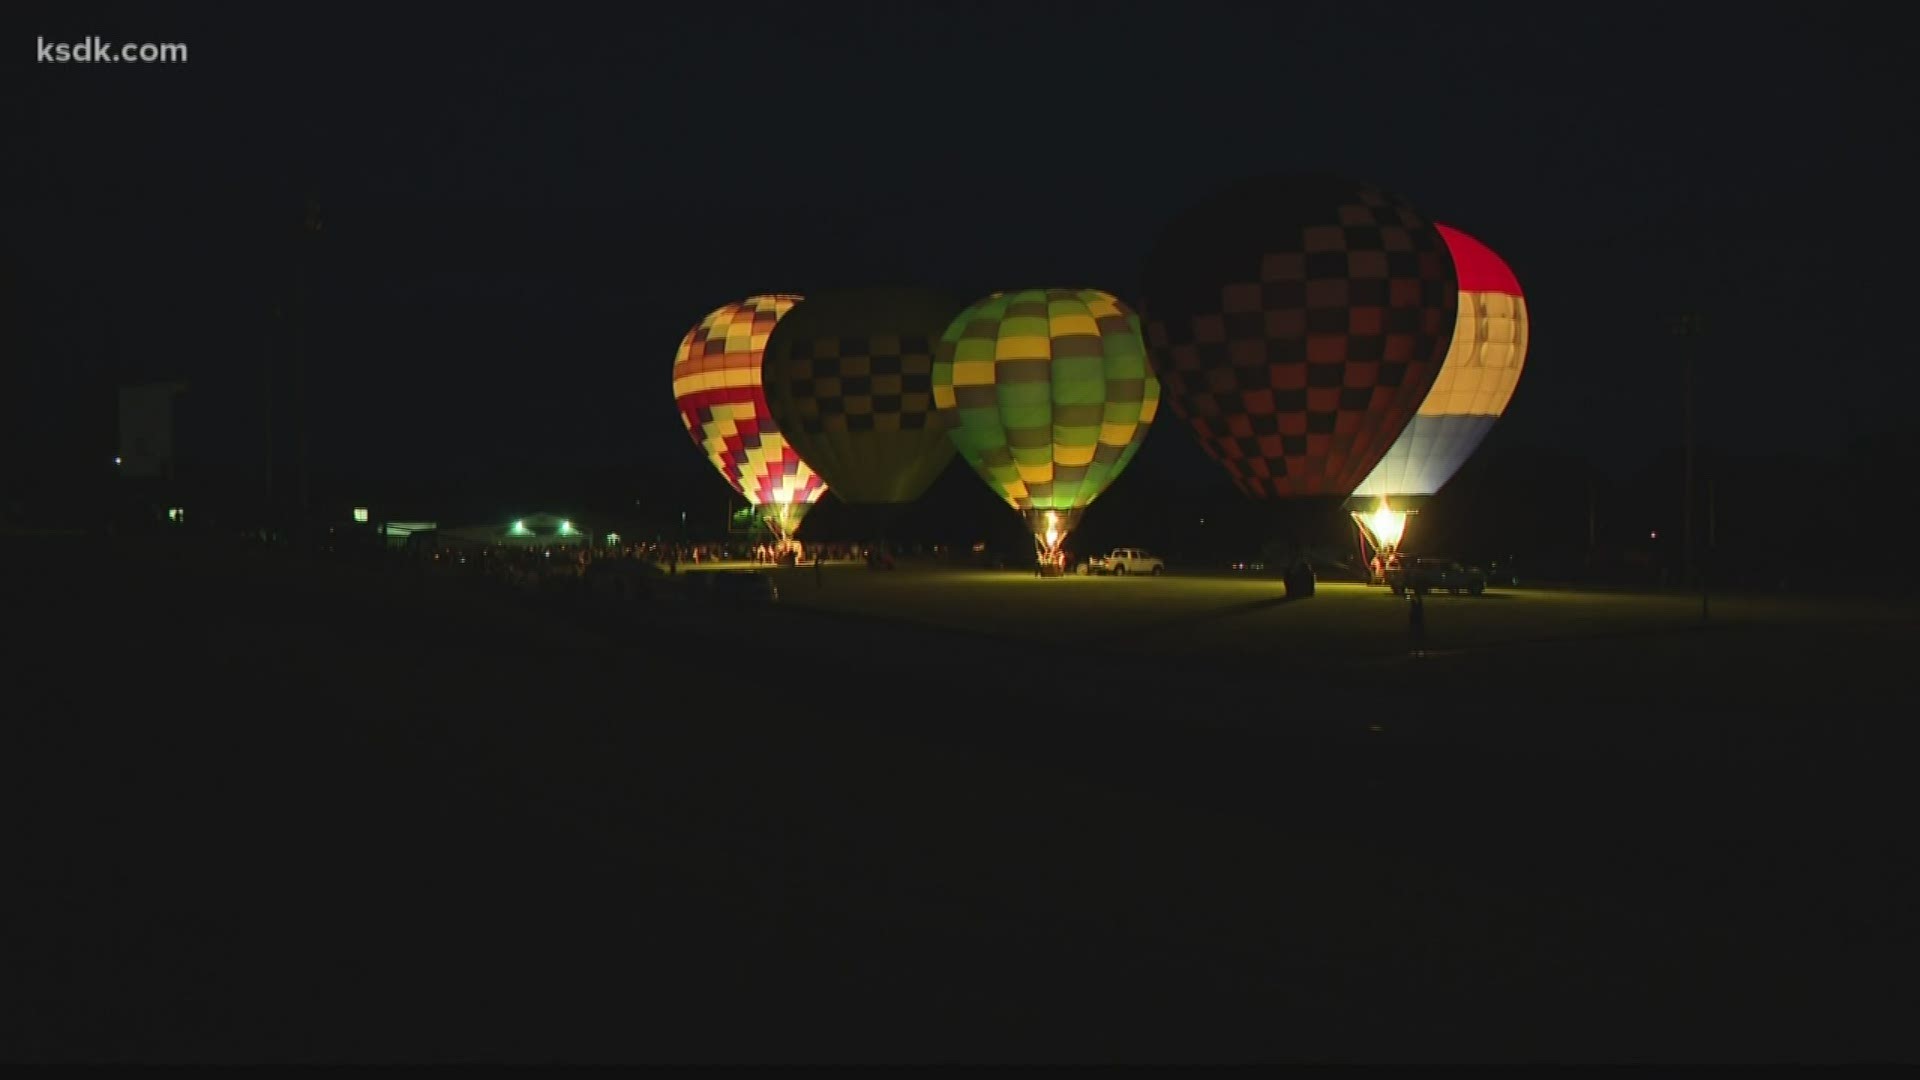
(849, 378)
(1296, 323)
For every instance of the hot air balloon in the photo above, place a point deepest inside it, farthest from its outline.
(1296, 323)
(716, 384)
(1048, 394)
(849, 378)
(1475, 383)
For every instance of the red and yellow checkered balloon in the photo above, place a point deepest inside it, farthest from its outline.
(716, 384)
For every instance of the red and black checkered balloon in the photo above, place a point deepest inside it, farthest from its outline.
(1296, 323)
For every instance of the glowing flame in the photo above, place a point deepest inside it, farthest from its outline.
(1053, 531)
(782, 517)
(1387, 525)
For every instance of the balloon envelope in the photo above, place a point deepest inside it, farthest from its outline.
(1296, 323)
(716, 384)
(849, 379)
(1047, 393)
(1475, 383)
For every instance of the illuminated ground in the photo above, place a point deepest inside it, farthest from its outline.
(1222, 616)
(1634, 672)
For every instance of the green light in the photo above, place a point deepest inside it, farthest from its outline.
(613, 538)
(566, 528)
(176, 514)
(360, 514)
(519, 528)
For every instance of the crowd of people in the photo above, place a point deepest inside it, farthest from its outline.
(540, 567)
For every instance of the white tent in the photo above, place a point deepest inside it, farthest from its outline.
(529, 531)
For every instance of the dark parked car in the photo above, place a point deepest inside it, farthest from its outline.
(1428, 573)
(746, 588)
(623, 579)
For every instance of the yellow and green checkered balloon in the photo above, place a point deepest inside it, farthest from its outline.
(1047, 393)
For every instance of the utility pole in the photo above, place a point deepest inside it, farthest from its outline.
(1712, 514)
(1688, 326)
(266, 399)
(305, 239)
(1593, 522)
(1687, 531)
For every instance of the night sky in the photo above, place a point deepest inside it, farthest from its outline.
(526, 206)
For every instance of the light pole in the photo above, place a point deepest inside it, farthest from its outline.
(267, 387)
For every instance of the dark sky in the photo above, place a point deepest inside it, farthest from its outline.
(527, 205)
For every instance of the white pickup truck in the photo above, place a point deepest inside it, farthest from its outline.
(1123, 561)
